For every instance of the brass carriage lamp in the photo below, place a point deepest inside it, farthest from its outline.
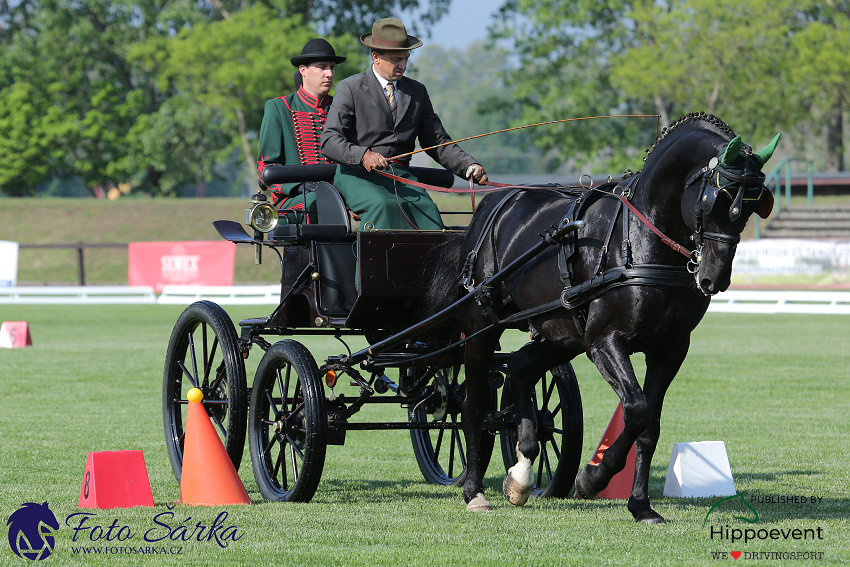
(262, 216)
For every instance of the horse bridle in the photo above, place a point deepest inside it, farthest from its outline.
(711, 187)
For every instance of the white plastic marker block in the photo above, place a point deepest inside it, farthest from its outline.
(698, 470)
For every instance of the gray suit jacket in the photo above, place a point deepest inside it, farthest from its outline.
(360, 119)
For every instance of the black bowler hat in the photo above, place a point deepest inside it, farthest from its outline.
(314, 51)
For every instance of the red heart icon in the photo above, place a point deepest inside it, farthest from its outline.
(735, 554)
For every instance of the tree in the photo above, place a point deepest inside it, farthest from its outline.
(70, 57)
(355, 17)
(154, 91)
(762, 66)
(821, 70)
(465, 86)
(217, 75)
(724, 57)
(563, 51)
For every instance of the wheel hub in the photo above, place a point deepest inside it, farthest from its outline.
(290, 428)
(219, 394)
(545, 425)
(439, 400)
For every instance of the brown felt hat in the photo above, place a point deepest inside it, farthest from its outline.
(390, 34)
(316, 50)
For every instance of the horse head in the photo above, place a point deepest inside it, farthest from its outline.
(718, 201)
(30, 529)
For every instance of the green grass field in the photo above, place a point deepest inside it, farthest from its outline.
(774, 388)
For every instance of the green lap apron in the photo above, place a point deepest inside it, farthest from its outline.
(376, 200)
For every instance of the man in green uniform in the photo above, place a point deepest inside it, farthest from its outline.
(289, 134)
(378, 114)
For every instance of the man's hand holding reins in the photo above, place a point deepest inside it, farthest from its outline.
(373, 160)
(476, 173)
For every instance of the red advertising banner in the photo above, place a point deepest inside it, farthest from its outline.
(158, 264)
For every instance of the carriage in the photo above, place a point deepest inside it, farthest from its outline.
(638, 276)
(336, 282)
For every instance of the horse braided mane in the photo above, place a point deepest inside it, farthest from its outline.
(686, 119)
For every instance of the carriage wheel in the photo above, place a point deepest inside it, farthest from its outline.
(203, 352)
(287, 424)
(560, 427)
(441, 453)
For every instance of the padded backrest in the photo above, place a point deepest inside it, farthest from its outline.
(330, 208)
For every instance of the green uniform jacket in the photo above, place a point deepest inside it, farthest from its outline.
(289, 135)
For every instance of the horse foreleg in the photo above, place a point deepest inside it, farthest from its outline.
(614, 365)
(662, 367)
(526, 366)
(478, 356)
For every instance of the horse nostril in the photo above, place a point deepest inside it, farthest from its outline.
(706, 285)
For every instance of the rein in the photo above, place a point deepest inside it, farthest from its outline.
(692, 255)
(492, 186)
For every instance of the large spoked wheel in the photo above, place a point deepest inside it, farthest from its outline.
(438, 441)
(287, 424)
(560, 427)
(203, 352)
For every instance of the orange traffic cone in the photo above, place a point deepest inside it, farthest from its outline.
(209, 477)
(620, 486)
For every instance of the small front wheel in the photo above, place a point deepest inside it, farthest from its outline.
(287, 424)
(203, 352)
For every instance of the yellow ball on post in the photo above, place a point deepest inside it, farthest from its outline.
(195, 395)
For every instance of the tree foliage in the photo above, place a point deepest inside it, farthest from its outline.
(155, 92)
(471, 99)
(758, 65)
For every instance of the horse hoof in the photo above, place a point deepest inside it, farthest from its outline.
(478, 504)
(514, 491)
(583, 489)
(650, 517)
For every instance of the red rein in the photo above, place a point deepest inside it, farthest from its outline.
(691, 255)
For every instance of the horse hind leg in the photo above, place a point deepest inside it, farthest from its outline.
(477, 360)
(526, 366)
(520, 477)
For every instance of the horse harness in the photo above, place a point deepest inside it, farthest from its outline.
(575, 297)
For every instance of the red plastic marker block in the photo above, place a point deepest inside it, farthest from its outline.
(115, 479)
(15, 334)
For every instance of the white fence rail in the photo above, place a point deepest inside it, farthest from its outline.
(811, 302)
(223, 295)
(78, 294)
(734, 301)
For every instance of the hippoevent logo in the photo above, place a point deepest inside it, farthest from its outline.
(32, 526)
(737, 535)
(30, 531)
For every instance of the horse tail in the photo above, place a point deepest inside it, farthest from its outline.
(443, 288)
(442, 270)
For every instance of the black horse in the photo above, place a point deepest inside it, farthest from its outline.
(636, 278)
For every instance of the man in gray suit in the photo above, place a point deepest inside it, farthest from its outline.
(380, 113)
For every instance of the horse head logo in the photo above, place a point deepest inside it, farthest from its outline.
(30, 531)
(754, 519)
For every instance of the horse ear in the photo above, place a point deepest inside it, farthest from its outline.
(764, 154)
(732, 151)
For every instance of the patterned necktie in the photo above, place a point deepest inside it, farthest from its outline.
(390, 90)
